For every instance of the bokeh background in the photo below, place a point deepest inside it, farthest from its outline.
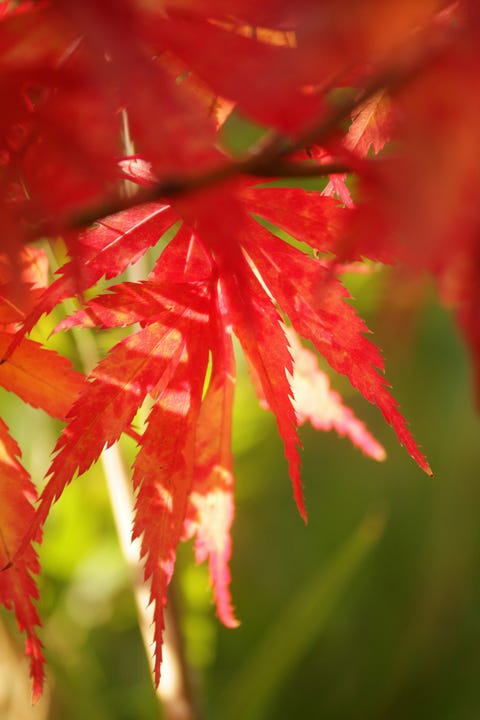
(370, 611)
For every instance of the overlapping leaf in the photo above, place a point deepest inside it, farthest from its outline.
(17, 586)
(211, 502)
(242, 58)
(106, 250)
(163, 469)
(40, 377)
(316, 402)
(142, 363)
(254, 318)
(314, 300)
(23, 278)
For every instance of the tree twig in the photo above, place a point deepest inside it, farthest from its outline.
(270, 159)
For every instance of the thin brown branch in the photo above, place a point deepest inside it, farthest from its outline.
(270, 160)
(173, 186)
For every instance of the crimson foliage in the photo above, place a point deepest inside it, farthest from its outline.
(376, 90)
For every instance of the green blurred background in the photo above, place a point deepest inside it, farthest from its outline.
(371, 611)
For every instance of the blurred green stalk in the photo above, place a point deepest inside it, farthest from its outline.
(291, 635)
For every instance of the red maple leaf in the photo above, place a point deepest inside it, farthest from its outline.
(206, 285)
(316, 402)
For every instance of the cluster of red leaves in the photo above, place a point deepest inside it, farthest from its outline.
(330, 82)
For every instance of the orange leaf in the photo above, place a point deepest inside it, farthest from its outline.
(39, 376)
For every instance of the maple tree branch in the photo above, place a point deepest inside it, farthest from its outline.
(172, 186)
(261, 167)
(270, 160)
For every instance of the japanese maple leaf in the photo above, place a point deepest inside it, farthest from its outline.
(105, 250)
(314, 401)
(317, 309)
(40, 377)
(167, 359)
(163, 471)
(43, 379)
(269, 83)
(310, 296)
(419, 205)
(370, 130)
(211, 502)
(23, 278)
(206, 284)
(283, 105)
(17, 587)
